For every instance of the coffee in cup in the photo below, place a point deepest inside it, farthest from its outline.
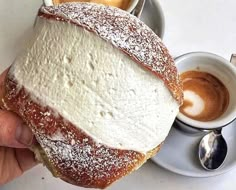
(127, 5)
(209, 88)
(123, 4)
(205, 97)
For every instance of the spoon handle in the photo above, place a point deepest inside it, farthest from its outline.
(233, 59)
(139, 8)
(218, 131)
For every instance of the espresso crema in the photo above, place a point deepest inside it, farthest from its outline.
(205, 97)
(122, 4)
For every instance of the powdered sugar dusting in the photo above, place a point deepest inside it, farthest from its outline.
(81, 159)
(77, 158)
(125, 32)
(85, 161)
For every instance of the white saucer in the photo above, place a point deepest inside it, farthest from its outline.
(179, 153)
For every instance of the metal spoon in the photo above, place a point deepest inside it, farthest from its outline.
(139, 8)
(212, 150)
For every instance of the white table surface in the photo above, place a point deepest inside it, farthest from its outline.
(191, 25)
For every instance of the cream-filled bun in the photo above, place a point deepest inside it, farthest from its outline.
(98, 89)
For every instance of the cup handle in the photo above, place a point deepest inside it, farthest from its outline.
(233, 59)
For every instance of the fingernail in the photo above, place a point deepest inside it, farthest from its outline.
(24, 135)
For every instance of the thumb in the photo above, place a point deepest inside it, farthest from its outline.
(2, 78)
(13, 132)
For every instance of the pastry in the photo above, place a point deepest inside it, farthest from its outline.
(99, 90)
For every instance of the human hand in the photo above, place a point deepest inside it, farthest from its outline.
(15, 139)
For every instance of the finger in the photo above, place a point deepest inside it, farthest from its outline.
(2, 78)
(13, 132)
(26, 159)
(9, 166)
(3, 75)
(14, 162)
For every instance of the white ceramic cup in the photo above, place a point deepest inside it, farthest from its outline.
(224, 71)
(129, 9)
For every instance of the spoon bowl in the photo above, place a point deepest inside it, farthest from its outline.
(212, 150)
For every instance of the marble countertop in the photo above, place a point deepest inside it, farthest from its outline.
(190, 26)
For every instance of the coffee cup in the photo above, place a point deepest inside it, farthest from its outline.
(127, 5)
(225, 73)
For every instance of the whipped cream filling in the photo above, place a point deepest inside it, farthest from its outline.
(95, 86)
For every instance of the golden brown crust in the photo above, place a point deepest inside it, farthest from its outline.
(67, 151)
(126, 33)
